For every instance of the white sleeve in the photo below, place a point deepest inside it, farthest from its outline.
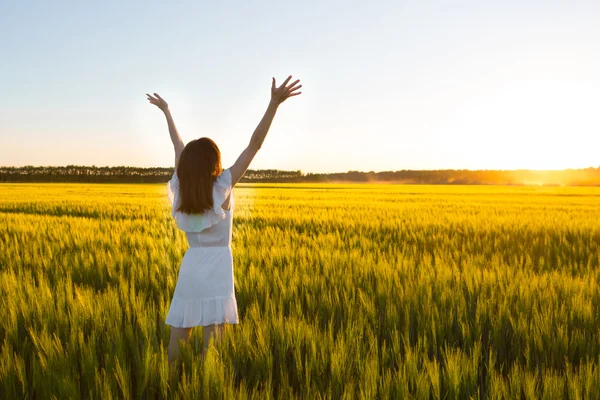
(221, 190)
(173, 188)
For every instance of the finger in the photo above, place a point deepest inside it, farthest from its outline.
(293, 94)
(273, 84)
(294, 88)
(286, 81)
(290, 92)
(150, 97)
(158, 96)
(297, 80)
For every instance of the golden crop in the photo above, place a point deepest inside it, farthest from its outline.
(344, 291)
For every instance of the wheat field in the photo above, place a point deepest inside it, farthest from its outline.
(344, 291)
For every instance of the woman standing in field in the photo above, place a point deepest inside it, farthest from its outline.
(201, 195)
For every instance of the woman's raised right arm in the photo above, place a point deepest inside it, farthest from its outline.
(278, 96)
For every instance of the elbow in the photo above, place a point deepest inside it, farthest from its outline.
(255, 146)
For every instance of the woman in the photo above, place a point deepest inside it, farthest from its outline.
(201, 195)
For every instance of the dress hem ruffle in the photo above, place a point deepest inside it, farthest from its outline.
(202, 312)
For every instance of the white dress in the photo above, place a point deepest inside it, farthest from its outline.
(204, 294)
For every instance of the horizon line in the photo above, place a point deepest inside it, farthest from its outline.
(308, 172)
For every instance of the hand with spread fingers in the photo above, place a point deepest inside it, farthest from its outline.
(158, 101)
(283, 92)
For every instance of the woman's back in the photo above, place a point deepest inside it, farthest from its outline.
(213, 227)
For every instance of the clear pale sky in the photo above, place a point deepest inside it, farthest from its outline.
(386, 85)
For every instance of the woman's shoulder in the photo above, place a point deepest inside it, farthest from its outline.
(221, 189)
(225, 178)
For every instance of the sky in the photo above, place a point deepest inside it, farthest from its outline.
(387, 85)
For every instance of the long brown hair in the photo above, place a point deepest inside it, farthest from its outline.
(198, 167)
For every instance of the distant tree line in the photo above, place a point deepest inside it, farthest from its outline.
(122, 174)
(92, 174)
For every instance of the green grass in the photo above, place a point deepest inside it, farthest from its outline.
(344, 291)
